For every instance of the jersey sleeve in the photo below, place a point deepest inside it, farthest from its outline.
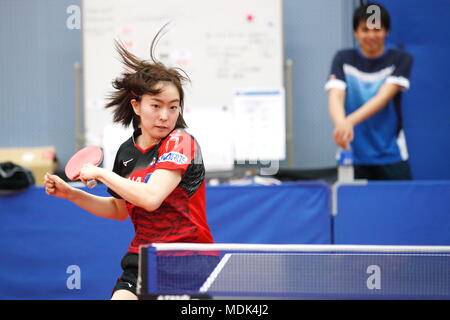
(116, 169)
(336, 78)
(402, 72)
(177, 152)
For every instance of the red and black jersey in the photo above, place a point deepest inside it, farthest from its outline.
(182, 215)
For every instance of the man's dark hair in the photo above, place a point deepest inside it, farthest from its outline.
(361, 14)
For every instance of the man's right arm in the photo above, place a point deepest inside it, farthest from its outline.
(343, 133)
(336, 87)
(336, 99)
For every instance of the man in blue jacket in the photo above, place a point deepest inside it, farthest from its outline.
(364, 95)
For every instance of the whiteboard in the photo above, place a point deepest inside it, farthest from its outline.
(224, 46)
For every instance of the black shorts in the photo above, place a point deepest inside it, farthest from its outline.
(394, 171)
(128, 279)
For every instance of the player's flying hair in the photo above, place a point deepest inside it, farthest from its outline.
(140, 77)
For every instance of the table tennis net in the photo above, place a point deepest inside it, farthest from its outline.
(297, 271)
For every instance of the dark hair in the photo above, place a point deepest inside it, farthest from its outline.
(140, 77)
(361, 14)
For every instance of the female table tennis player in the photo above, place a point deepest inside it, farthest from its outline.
(158, 174)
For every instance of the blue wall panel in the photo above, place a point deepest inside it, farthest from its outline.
(42, 236)
(394, 213)
(422, 28)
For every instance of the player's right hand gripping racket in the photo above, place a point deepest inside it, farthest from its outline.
(90, 154)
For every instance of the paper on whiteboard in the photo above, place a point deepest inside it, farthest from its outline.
(259, 125)
(113, 136)
(211, 127)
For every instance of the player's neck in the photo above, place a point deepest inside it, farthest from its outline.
(372, 54)
(145, 142)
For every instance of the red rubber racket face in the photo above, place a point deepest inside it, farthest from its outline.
(91, 154)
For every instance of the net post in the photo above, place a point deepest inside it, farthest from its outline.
(152, 272)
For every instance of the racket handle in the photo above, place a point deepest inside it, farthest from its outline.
(91, 184)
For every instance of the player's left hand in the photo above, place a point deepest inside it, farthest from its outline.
(89, 172)
(343, 134)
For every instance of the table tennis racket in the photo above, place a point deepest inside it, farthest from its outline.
(90, 154)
